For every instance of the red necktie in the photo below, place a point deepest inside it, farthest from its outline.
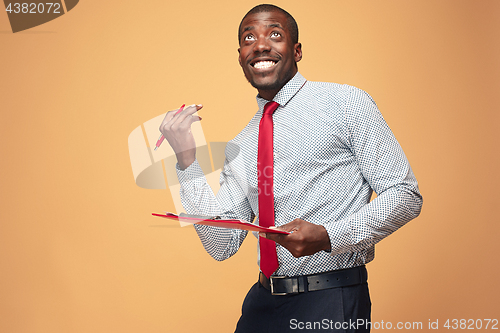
(268, 257)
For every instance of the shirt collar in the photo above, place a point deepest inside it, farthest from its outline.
(286, 93)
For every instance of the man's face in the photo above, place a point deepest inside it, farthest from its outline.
(267, 53)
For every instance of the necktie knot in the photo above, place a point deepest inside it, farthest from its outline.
(270, 107)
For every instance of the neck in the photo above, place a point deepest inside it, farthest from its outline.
(268, 94)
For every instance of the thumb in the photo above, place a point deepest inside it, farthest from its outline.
(272, 236)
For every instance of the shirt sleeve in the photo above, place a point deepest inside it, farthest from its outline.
(231, 202)
(385, 167)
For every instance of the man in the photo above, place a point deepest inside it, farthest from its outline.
(329, 148)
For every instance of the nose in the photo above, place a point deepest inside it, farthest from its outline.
(262, 45)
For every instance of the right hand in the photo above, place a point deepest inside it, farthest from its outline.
(176, 128)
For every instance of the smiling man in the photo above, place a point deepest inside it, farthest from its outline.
(306, 163)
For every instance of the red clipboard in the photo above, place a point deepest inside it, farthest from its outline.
(221, 223)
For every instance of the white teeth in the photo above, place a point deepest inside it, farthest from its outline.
(264, 64)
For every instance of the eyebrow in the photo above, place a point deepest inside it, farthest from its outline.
(273, 25)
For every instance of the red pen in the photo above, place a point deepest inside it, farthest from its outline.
(160, 140)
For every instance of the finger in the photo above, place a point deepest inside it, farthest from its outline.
(189, 110)
(278, 238)
(187, 113)
(289, 227)
(186, 123)
(173, 115)
(282, 228)
(168, 117)
(197, 106)
(180, 109)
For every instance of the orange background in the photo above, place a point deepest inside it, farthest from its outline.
(79, 250)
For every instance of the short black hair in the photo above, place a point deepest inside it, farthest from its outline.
(266, 8)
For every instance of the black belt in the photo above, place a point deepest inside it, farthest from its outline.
(284, 285)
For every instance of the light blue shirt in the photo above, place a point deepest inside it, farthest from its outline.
(332, 148)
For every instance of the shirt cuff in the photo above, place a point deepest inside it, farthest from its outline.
(340, 236)
(193, 173)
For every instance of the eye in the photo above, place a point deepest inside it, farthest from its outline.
(275, 34)
(249, 37)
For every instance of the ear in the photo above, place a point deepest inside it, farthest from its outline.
(239, 57)
(297, 48)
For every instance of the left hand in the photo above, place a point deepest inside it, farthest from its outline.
(305, 239)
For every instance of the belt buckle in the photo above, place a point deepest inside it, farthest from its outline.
(272, 285)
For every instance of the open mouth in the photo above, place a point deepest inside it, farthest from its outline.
(264, 64)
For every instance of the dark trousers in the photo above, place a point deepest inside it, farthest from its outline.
(344, 309)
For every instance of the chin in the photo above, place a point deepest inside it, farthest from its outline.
(265, 85)
(271, 81)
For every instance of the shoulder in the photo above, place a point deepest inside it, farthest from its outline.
(346, 104)
(341, 95)
(338, 100)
